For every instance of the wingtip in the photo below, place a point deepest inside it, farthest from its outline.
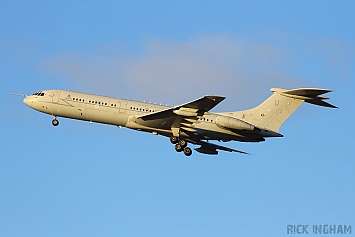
(242, 152)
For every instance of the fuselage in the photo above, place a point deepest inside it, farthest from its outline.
(189, 122)
(121, 112)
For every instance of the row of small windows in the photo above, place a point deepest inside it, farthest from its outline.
(92, 101)
(97, 102)
(144, 110)
(78, 99)
(113, 105)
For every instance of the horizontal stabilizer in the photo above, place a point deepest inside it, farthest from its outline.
(307, 91)
(309, 95)
(320, 102)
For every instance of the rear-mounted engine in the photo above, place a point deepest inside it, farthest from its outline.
(233, 123)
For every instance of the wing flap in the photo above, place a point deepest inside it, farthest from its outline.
(210, 148)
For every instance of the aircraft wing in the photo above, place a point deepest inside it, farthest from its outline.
(191, 109)
(210, 148)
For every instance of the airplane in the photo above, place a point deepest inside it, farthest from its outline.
(186, 123)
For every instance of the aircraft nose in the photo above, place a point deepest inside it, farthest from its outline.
(27, 101)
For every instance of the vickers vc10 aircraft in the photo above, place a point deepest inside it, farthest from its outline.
(186, 123)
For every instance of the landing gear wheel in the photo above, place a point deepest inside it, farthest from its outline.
(183, 143)
(55, 122)
(187, 151)
(178, 148)
(174, 139)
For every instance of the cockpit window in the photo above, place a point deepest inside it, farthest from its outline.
(39, 93)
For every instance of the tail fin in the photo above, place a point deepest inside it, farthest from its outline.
(274, 111)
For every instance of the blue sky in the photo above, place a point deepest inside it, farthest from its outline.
(82, 179)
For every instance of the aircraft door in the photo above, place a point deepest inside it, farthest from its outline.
(123, 106)
(55, 96)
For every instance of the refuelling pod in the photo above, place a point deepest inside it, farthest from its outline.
(233, 123)
(206, 151)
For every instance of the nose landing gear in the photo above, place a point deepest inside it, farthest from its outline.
(55, 122)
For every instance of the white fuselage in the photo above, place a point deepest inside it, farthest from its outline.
(120, 112)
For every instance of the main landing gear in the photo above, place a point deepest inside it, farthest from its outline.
(181, 145)
(55, 122)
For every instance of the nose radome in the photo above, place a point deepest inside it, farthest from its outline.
(27, 101)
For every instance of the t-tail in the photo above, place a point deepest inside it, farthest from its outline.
(275, 110)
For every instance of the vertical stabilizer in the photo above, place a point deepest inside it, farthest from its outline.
(275, 110)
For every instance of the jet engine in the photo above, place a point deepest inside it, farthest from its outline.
(233, 123)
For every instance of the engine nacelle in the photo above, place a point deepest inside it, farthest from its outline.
(233, 123)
